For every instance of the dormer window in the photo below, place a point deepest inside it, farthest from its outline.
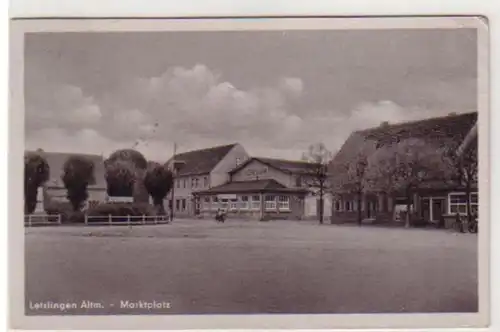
(238, 161)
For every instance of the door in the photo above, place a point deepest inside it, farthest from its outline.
(437, 208)
(426, 209)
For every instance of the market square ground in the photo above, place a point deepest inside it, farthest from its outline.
(198, 266)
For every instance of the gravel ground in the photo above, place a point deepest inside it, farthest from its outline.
(198, 266)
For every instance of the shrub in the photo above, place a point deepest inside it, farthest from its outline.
(64, 209)
(104, 210)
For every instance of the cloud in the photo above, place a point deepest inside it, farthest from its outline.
(197, 108)
(65, 105)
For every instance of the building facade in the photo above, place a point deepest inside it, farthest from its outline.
(264, 188)
(201, 170)
(435, 201)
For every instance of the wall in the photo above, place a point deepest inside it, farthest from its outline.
(271, 173)
(312, 203)
(220, 174)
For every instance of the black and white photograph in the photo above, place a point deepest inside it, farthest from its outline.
(253, 167)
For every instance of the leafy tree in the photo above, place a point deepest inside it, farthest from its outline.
(319, 157)
(36, 173)
(403, 166)
(138, 164)
(78, 174)
(463, 165)
(120, 178)
(158, 182)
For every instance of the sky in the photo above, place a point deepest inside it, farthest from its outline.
(274, 92)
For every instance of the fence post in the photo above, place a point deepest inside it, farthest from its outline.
(110, 219)
(128, 219)
(29, 220)
(144, 220)
(86, 219)
(59, 219)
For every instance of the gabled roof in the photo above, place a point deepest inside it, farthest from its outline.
(286, 166)
(203, 161)
(453, 128)
(256, 186)
(448, 130)
(56, 162)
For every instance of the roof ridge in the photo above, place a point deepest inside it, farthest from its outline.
(285, 160)
(413, 122)
(207, 149)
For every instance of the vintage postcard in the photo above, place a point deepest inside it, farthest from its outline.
(249, 173)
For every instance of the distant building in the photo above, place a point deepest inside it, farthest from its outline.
(54, 189)
(201, 170)
(266, 188)
(437, 198)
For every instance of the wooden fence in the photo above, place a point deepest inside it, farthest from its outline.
(55, 220)
(42, 220)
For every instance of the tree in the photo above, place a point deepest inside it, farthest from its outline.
(348, 174)
(138, 164)
(463, 166)
(36, 173)
(403, 166)
(78, 173)
(158, 182)
(317, 180)
(120, 178)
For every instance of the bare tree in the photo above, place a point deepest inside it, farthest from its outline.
(403, 167)
(317, 181)
(463, 166)
(348, 175)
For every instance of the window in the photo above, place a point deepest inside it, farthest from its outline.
(206, 199)
(192, 182)
(224, 203)
(215, 204)
(458, 203)
(337, 206)
(255, 202)
(284, 203)
(238, 161)
(233, 204)
(177, 204)
(348, 206)
(183, 205)
(244, 202)
(177, 183)
(270, 202)
(184, 183)
(205, 181)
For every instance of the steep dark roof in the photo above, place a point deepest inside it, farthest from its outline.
(439, 131)
(255, 186)
(202, 161)
(56, 162)
(454, 127)
(287, 166)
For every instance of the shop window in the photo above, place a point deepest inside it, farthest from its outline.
(284, 203)
(458, 203)
(270, 202)
(244, 202)
(255, 202)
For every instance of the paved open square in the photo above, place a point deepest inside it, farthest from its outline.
(198, 266)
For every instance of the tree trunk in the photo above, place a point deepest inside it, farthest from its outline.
(408, 208)
(159, 207)
(467, 193)
(321, 194)
(360, 216)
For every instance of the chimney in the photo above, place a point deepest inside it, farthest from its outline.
(384, 124)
